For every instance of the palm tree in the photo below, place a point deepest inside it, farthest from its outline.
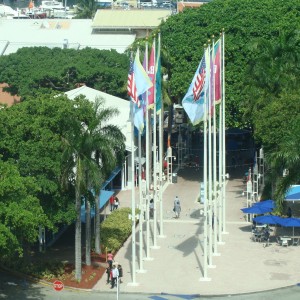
(288, 157)
(86, 9)
(89, 135)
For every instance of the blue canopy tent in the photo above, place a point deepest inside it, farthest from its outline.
(104, 197)
(267, 219)
(293, 193)
(290, 222)
(266, 203)
(256, 209)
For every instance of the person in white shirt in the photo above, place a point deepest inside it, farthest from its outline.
(114, 276)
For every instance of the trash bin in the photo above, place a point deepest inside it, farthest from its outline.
(174, 178)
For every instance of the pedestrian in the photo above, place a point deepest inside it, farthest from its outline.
(289, 212)
(114, 276)
(111, 202)
(110, 259)
(116, 203)
(151, 208)
(120, 269)
(177, 207)
(108, 271)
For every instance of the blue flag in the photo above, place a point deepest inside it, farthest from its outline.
(194, 99)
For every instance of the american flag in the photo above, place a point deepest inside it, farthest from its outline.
(131, 86)
(200, 80)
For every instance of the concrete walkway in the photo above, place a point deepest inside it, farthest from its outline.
(243, 265)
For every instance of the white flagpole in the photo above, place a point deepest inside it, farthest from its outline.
(205, 233)
(210, 241)
(215, 214)
(133, 221)
(141, 207)
(224, 137)
(161, 153)
(154, 169)
(148, 168)
(220, 179)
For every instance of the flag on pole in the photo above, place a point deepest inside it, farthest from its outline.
(131, 86)
(193, 101)
(138, 80)
(217, 72)
(151, 74)
(142, 81)
(158, 79)
(199, 80)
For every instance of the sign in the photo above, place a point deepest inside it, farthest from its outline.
(58, 285)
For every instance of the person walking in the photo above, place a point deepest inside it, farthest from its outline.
(111, 202)
(177, 207)
(151, 208)
(108, 271)
(120, 269)
(110, 259)
(114, 276)
(116, 203)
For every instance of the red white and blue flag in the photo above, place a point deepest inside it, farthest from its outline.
(199, 80)
(131, 86)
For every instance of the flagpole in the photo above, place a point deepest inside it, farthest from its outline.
(210, 241)
(215, 214)
(141, 206)
(133, 221)
(205, 233)
(224, 136)
(148, 168)
(155, 246)
(220, 179)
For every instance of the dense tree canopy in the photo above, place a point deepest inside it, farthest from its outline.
(185, 34)
(35, 70)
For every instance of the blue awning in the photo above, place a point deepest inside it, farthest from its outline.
(103, 199)
(293, 193)
(114, 173)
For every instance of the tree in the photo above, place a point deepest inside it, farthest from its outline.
(90, 152)
(86, 9)
(21, 213)
(243, 21)
(40, 70)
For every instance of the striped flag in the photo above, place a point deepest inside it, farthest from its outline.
(131, 86)
(199, 80)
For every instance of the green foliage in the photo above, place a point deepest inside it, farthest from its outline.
(39, 70)
(115, 229)
(21, 213)
(244, 21)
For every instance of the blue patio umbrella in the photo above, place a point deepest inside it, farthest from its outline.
(267, 219)
(290, 222)
(256, 209)
(266, 203)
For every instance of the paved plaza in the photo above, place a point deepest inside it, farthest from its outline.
(176, 267)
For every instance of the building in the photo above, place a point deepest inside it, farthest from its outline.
(135, 21)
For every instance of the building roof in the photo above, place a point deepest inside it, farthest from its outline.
(52, 33)
(6, 98)
(122, 120)
(134, 18)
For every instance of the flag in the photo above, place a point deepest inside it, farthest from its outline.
(138, 80)
(158, 98)
(217, 72)
(151, 74)
(199, 80)
(195, 107)
(142, 81)
(131, 86)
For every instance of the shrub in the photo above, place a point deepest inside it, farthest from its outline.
(115, 229)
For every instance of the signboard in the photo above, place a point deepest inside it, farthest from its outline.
(58, 285)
